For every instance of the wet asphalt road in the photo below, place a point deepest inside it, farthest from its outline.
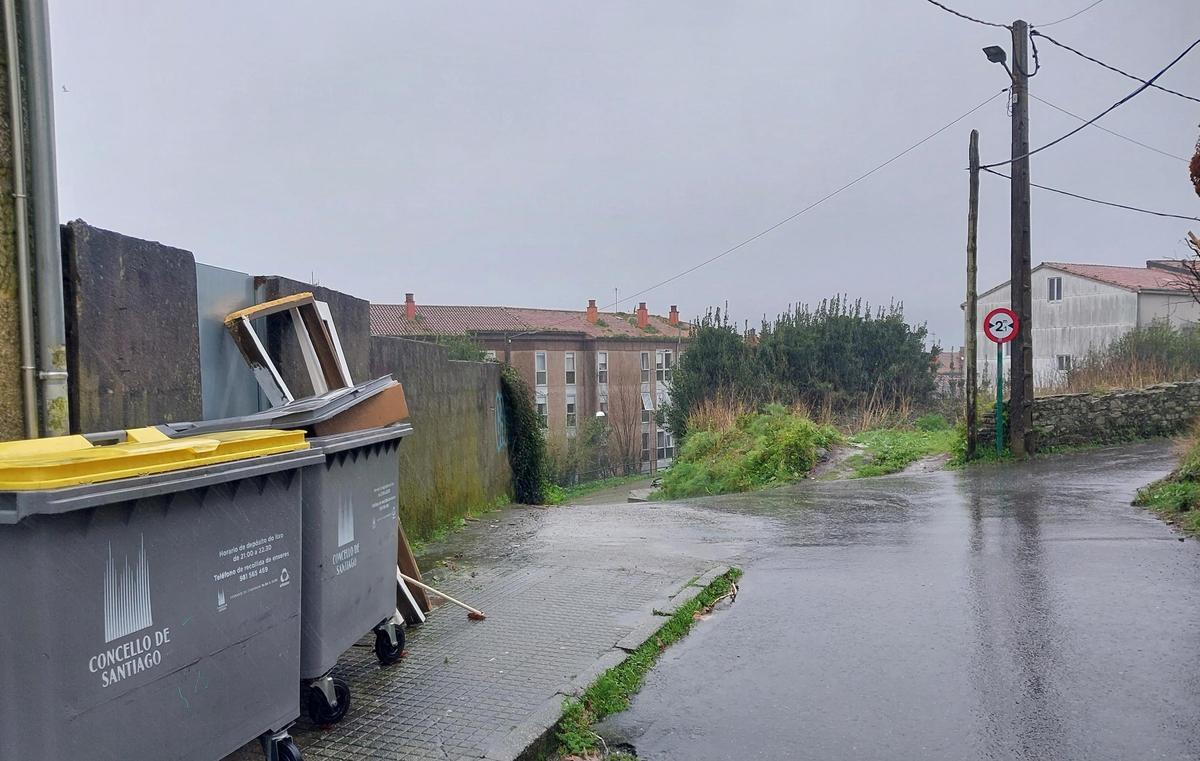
(1022, 612)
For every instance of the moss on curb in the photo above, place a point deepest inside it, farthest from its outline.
(611, 691)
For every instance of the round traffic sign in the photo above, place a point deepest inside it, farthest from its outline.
(1001, 325)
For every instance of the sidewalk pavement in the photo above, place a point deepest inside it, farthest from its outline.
(567, 592)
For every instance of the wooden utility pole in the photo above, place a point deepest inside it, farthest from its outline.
(972, 294)
(1021, 288)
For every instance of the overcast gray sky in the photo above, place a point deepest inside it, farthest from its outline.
(544, 153)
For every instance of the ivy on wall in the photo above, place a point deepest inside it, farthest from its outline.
(526, 443)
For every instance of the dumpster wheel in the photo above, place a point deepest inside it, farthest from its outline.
(385, 651)
(279, 746)
(287, 750)
(319, 709)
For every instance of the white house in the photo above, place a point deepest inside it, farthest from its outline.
(1078, 308)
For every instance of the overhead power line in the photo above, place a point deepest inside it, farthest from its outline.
(1147, 83)
(1098, 62)
(1109, 131)
(1073, 15)
(789, 218)
(1097, 200)
(965, 16)
(820, 200)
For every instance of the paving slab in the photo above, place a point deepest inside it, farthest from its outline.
(561, 588)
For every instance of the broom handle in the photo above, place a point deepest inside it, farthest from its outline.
(402, 577)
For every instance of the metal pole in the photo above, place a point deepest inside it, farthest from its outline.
(21, 222)
(47, 249)
(972, 295)
(1021, 289)
(999, 398)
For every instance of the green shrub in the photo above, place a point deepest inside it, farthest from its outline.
(526, 443)
(931, 422)
(764, 449)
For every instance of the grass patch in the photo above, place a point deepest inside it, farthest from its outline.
(611, 691)
(558, 495)
(748, 451)
(890, 450)
(1176, 498)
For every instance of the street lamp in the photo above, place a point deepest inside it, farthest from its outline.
(996, 54)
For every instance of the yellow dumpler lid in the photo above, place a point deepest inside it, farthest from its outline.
(62, 461)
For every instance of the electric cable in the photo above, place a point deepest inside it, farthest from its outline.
(1109, 131)
(1146, 85)
(1097, 200)
(1098, 62)
(1073, 15)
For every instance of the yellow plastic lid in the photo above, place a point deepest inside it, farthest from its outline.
(73, 460)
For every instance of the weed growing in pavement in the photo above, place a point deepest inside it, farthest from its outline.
(611, 691)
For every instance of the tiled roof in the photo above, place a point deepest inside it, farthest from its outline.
(1129, 278)
(436, 319)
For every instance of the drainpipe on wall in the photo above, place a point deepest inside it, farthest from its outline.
(47, 248)
(29, 406)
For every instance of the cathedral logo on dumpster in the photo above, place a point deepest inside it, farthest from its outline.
(127, 614)
(127, 596)
(345, 522)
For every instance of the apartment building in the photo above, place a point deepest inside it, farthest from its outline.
(584, 364)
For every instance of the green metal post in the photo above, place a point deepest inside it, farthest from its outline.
(999, 398)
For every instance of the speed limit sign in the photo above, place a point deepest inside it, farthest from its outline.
(1001, 325)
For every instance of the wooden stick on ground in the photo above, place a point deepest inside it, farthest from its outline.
(472, 613)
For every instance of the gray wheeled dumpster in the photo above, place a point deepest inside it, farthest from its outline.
(150, 616)
(351, 510)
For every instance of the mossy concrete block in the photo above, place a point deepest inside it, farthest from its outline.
(133, 345)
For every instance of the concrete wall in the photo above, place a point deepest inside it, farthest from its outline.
(457, 458)
(1079, 419)
(1178, 309)
(134, 314)
(133, 348)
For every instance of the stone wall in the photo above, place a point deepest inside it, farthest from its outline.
(457, 457)
(1068, 420)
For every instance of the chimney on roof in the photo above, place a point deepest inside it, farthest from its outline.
(643, 316)
(593, 313)
(410, 307)
(673, 317)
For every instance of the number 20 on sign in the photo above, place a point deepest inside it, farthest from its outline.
(1000, 326)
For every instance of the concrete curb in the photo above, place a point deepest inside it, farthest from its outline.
(535, 732)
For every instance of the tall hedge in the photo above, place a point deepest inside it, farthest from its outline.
(526, 443)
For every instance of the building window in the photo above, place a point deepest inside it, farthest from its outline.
(646, 446)
(1055, 284)
(662, 365)
(645, 367)
(666, 445)
(543, 419)
(539, 368)
(569, 365)
(571, 414)
(602, 400)
(602, 367)
(1064, 363)
(647, 407)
